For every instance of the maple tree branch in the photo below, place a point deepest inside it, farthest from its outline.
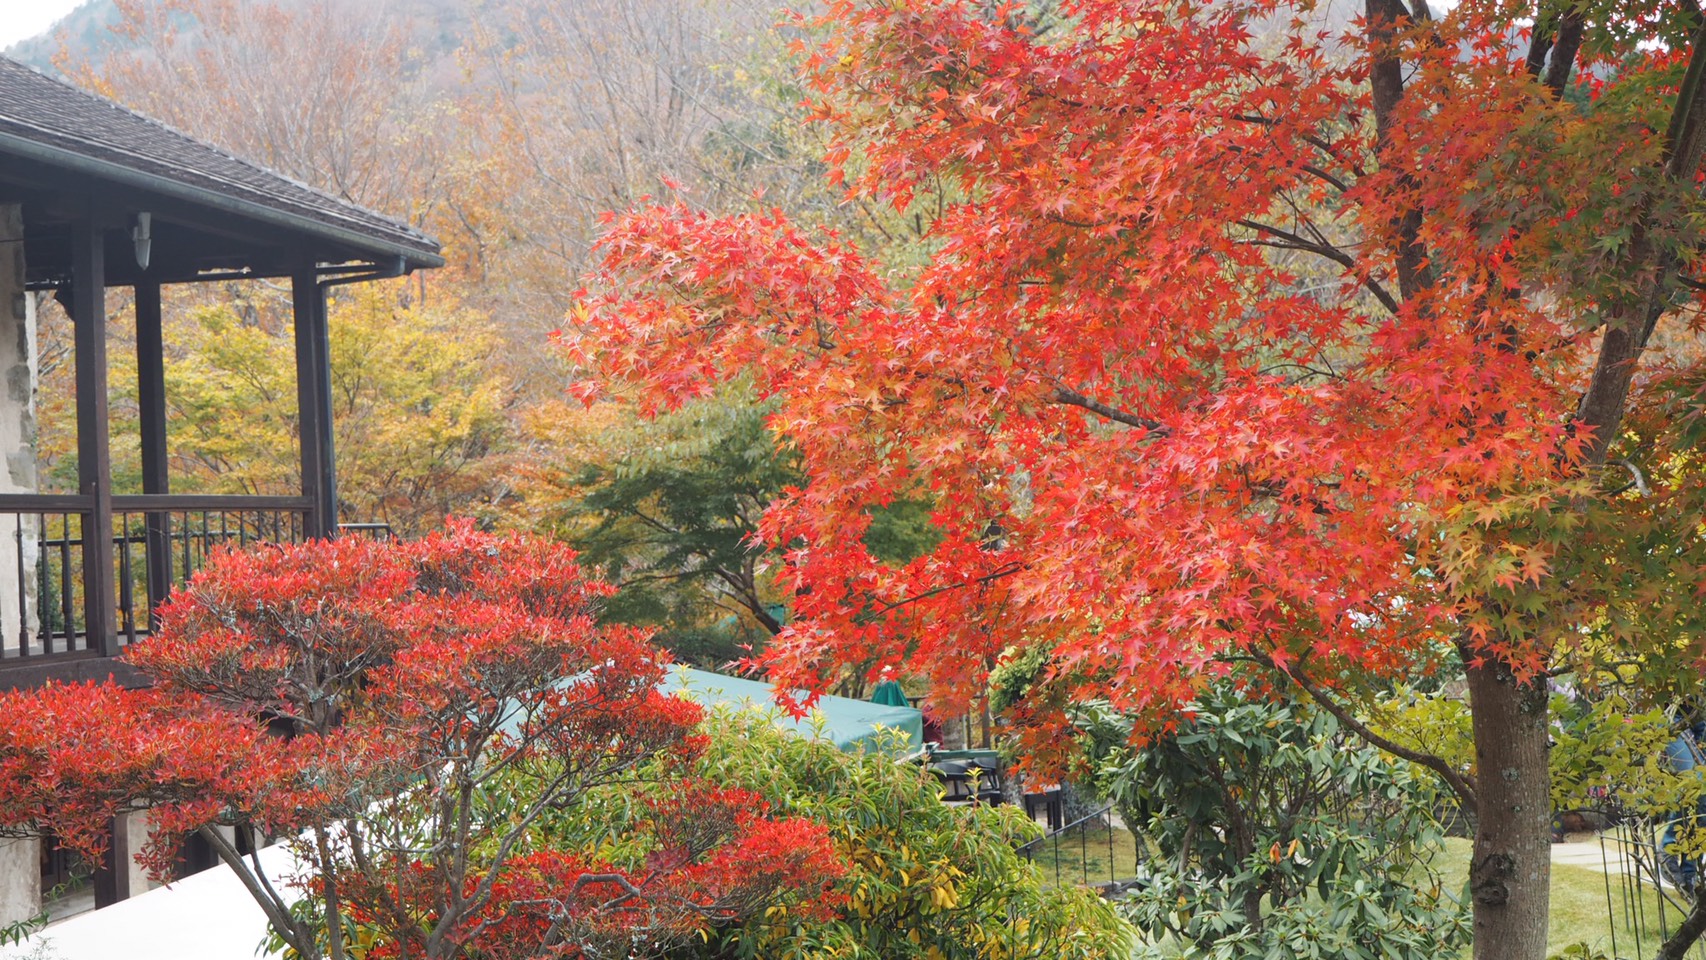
(1081, 224)
(1628, 329)
(1325, 177)
(1307, 370)
(1318, 173)
(1318, 143)
(1291, 241)
(1384, 19)
(1639, 483)
(1538, 46)
(1072, 398)
(1461, 783)
(1682, 148)
(889, 607)
(1564, 48)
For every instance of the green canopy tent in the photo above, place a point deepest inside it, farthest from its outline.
(850, 724)
(890, 694)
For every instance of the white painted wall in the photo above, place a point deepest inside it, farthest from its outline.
(209, 916)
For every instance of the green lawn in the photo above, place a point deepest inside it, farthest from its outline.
(1579, 911)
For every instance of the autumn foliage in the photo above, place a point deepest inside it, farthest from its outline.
(1248, 331)
(402, 715)
(1174, 376)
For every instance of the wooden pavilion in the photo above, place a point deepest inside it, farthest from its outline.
(95, 196)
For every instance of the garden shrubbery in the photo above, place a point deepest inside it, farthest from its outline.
(1275, 833)
(924, 880)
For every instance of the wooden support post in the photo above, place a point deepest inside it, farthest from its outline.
(151, 404)
(94, 453)
(111, 878)
(314, 403)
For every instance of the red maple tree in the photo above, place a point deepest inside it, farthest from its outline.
(404, 715)
(1245, 332)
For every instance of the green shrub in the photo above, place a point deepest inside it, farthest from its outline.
(927, 881)
(1272, 833)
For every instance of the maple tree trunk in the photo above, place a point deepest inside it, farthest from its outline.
(1510, 871)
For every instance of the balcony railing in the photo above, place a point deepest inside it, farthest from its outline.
(158, 541)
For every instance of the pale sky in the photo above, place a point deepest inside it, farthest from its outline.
(22, 19)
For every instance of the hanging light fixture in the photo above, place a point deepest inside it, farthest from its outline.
(141, 234)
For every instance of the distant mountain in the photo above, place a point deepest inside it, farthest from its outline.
(85, 34)
(81, 32)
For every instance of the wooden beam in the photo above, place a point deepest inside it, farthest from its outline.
(314, 403)
(111, 878)
(151, 407)
(68, 668)
(151, 388)
(213, 502)
(44, 503)
(94, 452)
(62, 194)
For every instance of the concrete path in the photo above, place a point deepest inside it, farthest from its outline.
(1584, 850)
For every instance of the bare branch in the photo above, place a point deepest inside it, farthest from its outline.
(1292, 241)
(1461, 783)
(254, 880)
(1072, 398)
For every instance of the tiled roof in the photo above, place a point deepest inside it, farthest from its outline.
(46, 119)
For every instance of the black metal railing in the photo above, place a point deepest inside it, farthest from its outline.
(1092, 851)
(158, 541)
(41, 595)
(1650, 886)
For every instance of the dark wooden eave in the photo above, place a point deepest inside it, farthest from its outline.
(68, 155)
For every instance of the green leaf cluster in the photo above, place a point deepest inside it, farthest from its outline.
(1604, 752)
(668, 509)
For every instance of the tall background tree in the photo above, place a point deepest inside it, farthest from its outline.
(668, 511)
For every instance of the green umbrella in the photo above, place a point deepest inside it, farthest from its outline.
(889, 694)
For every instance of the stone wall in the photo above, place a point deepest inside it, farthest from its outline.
(18, 378)
(136, 834)
(20, 880)
(20, 860)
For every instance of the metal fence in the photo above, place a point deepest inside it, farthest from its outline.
(1644, 902)
(157, 542)
(1092, 851)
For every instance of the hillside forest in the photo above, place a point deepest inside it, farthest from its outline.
(508, 131)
